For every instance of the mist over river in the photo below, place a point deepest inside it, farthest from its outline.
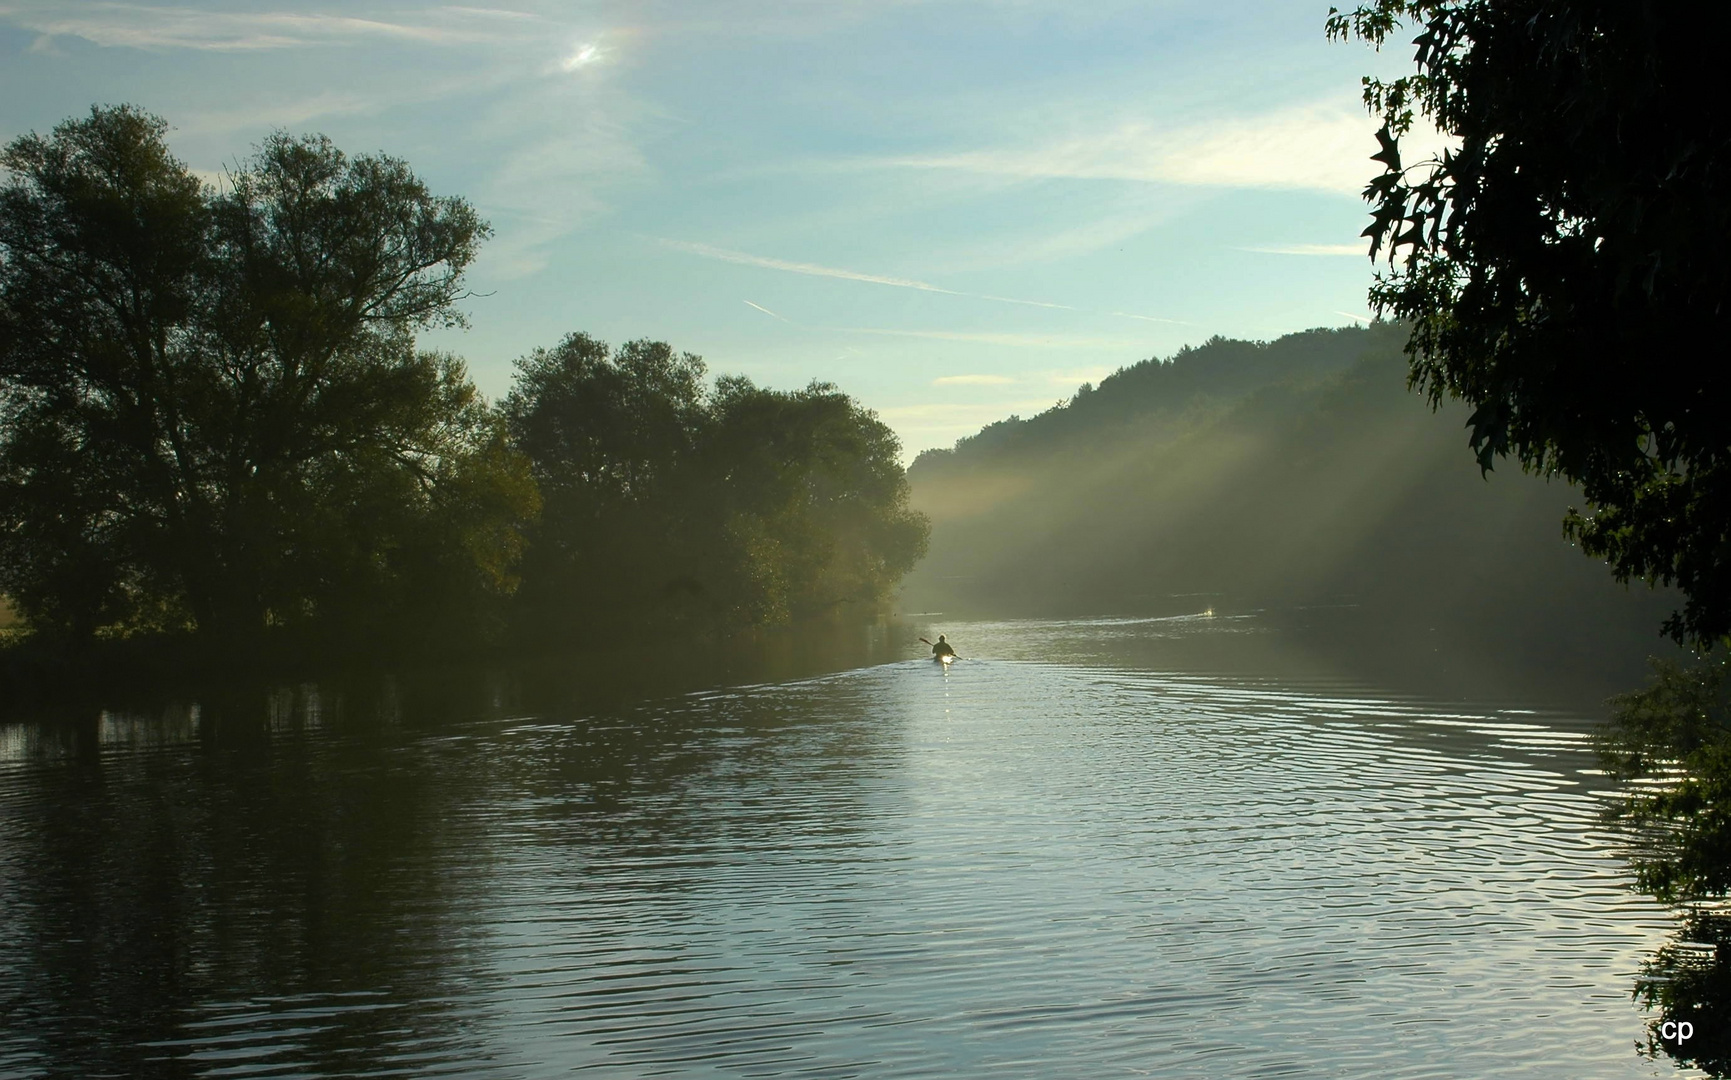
(1170, 847)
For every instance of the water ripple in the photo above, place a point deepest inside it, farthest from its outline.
(1013, 869)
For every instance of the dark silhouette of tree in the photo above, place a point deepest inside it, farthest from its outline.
(1674, 739)
(1562, 265)
(1675, 736)
(669, 503)
(811, 497)
(607, 433)
(1689, 981)
(214, 412)
(602, 427)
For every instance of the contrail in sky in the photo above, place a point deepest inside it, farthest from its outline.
(811, 269)
(816, 270)
(766, 311)
(1360, 318)
(1150, 318)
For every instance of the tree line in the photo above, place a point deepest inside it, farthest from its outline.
(215, 419)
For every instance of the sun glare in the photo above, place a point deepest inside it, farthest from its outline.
(583, 56)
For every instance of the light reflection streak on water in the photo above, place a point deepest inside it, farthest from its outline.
(1017, 869)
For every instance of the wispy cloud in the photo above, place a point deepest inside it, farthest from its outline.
(490, 13)
(1077, 378)
(556, 176)
(816, 270)
(284, 112)
(145, 26)
(1055, 378)
(1151, 318)
(942, 423)
(1020, 341)
(1069, 243)
(1322, 147)
(1360, 250)
(1366, 319)
(957, 414)
(811, 269)
(1025, 303)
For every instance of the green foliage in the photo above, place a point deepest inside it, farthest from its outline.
(605, 428)
(1689, 979)
(813, 496)
(1673, 741)
(1670, 743)
(667, 503)
(606, 434)
(1562, 264)
(213, 410)
(1218, 371)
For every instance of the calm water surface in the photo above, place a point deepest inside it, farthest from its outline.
(1071, 856)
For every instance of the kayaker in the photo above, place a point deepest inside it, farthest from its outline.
(942, 648)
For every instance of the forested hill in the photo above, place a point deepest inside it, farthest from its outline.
(1238, 475)
(1157, 390)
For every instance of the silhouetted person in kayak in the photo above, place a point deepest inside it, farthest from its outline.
(942, 648)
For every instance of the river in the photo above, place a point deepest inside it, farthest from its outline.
(1092, 848)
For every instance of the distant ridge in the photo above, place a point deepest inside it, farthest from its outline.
(1218, 371)
(1295, 473)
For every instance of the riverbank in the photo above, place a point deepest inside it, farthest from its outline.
(144, 674)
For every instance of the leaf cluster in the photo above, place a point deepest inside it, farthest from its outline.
(1560, 264)
(1670, 743)
(1689, 979)
(669, 502)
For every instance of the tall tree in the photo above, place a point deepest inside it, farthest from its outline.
(812, 499)
(1562, 267)
(213, 407)
(608, 432)
(667, 501)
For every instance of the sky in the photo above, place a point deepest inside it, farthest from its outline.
(955, 210)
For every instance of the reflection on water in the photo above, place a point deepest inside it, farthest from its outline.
(1688, 985)
(1054, 860)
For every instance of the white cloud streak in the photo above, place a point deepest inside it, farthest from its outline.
(1150, 318)
(1319, 147)
(766, 311)
(815, 270)
(973, 380)
(1361, 250)
(1077, 378)
(565, 152)
(144, 26)
(1020, 341)
(810, 269)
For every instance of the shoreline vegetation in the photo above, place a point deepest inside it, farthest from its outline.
(220, 443)
(1558, 266)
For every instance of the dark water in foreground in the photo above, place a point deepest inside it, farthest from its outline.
(1066, 858)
